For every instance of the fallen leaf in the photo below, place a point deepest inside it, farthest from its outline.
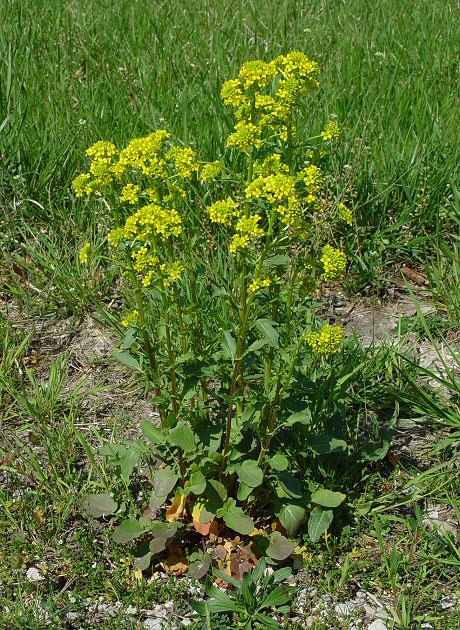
(177, 508)
(202, 528)
(176, 562)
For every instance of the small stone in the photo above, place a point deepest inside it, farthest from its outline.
(131, 610)
(370, 612)
(360, 595)
(34, 575)
(341, 610)
(72, 616)
(427, 625)
(378, 624)
(351, 604)
(380, 613)
(309, 621)
(153, 624)
(312, 592)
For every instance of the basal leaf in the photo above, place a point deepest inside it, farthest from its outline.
(327, 498)
(323, 444)
(291, 516)
(280, 547)
(250, 473)
(237, 520)
(127, 530)
(319, 522)
(98, 505)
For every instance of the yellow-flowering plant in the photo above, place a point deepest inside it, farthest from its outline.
(224, 268)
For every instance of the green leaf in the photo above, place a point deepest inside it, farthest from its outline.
(162, 533)
(243, 491)
(278, 462)
(182, 437)
(199, 567)
(300, 417)
(257, 345)
(128, 462)
(280, 547)
(127, 360)
(164, 480)
(327, 498)
(197, 483)
(291, 486)
(269, 333)
(127, 530)
(98, 505)
(153, 433)
(375, 452)
(237, 520)
(319, 522)
(323, 444)
(250, 473)
(129, 339)
(277, 260)
(229, 346)
(155, 503)
(143, 562)
(291, 516)
(216, 490)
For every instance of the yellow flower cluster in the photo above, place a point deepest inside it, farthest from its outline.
(84, 253)
(143, 259)
(334, 262)
(210, 171)
(223, 211)
(238, 242)
(247, 228)
(313, 178)
(292, 74)
(184, 159)
(130, 194)
(272, 165)
(172, 273)
(259, 284)
(153, 221)
(332, 131)
(346, 214)
(145, 155)
(245, 137)
(130, 319)
(275, 188)
(327, 341)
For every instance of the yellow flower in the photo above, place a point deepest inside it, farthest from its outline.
(332, 131)
(327, 341)
(82, 185)
(270, 166)
(115, 237)
(334, 262)
(85, 253)
(256, 73)
(346, 214)
(172, 273)
(238, 242)
(130, 319)
(144, 154)
(259, 284)
(275, 188)
(101, 150)
(130, 194)
(250, 226)
(313, 178)
(210, 171)
(246, 136)
(153, 221)
(223, 211)
(232, 93)
(184, 159)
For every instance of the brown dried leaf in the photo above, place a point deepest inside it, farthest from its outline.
(177, 508)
